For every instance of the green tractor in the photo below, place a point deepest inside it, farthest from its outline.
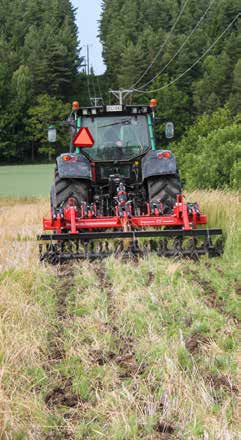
(114, 186)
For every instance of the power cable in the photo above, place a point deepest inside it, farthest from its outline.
(163, 45)
(194, 64)
(181, 47)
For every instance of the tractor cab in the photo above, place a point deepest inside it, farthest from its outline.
(119, 133)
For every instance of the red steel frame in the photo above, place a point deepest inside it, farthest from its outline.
(73, 221)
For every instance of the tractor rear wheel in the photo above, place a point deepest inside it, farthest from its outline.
(164, 189)
(63, 189)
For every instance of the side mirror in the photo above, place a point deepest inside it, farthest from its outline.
(169, 130)
(52, 134)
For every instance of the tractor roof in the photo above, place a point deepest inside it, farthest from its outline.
(108, 110)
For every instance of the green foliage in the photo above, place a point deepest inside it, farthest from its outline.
(143, 26)
(39, 56)
(209, 155)
(40, 115)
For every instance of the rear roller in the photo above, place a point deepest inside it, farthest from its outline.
(58, 249)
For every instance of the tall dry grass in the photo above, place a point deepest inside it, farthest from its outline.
(223, 209)
(19, 225)
(26, 308)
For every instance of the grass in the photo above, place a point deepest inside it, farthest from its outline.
(115, 350)
(25, 180)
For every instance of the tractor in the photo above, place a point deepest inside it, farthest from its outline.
(116, 193)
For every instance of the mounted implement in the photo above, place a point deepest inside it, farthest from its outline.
(115, 193)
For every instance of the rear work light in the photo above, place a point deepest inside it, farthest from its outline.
(165, 154)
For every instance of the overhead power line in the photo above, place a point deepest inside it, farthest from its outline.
(163, 45)
(194, 64)
(181, 47)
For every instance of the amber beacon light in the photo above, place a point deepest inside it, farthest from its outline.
(153, 103)
(75, 105)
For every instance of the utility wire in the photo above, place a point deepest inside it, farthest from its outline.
(194, 64)
(163, 45)
(181, 47)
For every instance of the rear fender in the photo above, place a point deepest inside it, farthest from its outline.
(76, 168)
(155, 164)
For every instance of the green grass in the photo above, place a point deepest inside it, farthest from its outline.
(25, 180)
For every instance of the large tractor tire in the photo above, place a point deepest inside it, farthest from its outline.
(164, 189)
(63, 189)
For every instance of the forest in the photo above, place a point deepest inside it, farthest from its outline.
(150, 46)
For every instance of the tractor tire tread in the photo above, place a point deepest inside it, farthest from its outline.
(164, 189)
(66, 188)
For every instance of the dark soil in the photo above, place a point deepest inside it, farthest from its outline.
(150, 278)
(163, 436)
(62, 396)
(165, 431)
(210, 295)
(193, 343)
(238, 289)
(124, 356)
(221, 381)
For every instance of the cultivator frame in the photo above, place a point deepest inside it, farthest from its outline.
(80, 233)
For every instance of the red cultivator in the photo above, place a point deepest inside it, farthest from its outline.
(79, 233)
(115, 193)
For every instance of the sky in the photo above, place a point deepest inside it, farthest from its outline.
(88, 14)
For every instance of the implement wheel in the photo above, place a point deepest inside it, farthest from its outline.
(164, 189)
(63, 189)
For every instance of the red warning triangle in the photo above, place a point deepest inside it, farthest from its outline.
(83, 138)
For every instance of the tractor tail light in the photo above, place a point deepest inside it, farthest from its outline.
(165, 154)
(69, 158)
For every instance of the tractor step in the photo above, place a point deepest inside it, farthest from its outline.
(60, 248)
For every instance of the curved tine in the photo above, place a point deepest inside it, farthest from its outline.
(40, 248)
(177, 247)
(153, 245)
(219, 247)
(192, 244)
(44, 257)
(161, 248)
(86, 245)
(56, 260)
(192, 249)
(134, 246)
(122, 247)
(194, 256)
(116, 245)
(107, 250)
(165, 244)
(69, 247)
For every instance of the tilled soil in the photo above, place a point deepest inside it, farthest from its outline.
(61, 394)
(195, 342)
(125, 358)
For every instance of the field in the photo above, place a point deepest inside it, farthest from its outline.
(25, 180)
(116, 350)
